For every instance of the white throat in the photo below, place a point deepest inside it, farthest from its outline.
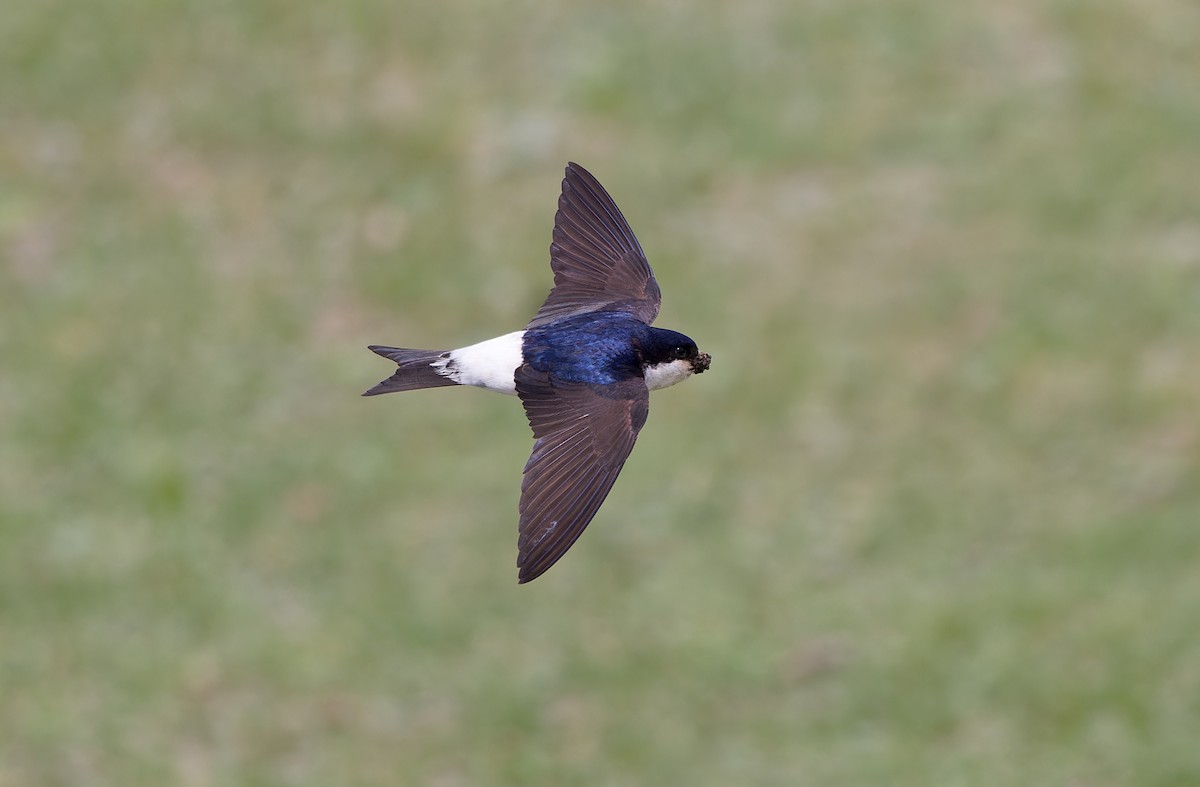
(666, 374)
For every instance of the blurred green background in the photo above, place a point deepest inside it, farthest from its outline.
(932, 519)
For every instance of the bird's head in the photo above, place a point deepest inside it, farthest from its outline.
(669, 357)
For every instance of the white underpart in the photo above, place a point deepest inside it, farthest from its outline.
(492, 364)
(666, 374)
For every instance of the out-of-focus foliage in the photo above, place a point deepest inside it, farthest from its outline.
(932, 518)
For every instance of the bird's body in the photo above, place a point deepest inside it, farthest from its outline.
(583, 369)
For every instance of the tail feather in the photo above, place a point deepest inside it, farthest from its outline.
(415, 370)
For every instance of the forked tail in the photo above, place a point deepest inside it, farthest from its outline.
(416, 369)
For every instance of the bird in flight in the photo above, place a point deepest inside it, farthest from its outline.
(583, 368)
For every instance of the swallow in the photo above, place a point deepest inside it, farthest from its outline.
(583, 369)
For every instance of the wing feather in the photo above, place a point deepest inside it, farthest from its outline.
(597, 261)
(583, 436)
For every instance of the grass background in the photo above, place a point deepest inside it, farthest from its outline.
(932, 519)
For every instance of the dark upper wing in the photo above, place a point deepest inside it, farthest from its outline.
(583, 435)
(597, 262)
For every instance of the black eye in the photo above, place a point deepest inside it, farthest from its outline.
(681, 352)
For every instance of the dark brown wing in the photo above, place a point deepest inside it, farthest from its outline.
(598, 264)
(583, 435)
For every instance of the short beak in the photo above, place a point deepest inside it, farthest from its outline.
(702, 362)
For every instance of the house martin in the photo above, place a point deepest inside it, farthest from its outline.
(583, 368)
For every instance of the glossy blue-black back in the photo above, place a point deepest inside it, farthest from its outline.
(597, 347)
